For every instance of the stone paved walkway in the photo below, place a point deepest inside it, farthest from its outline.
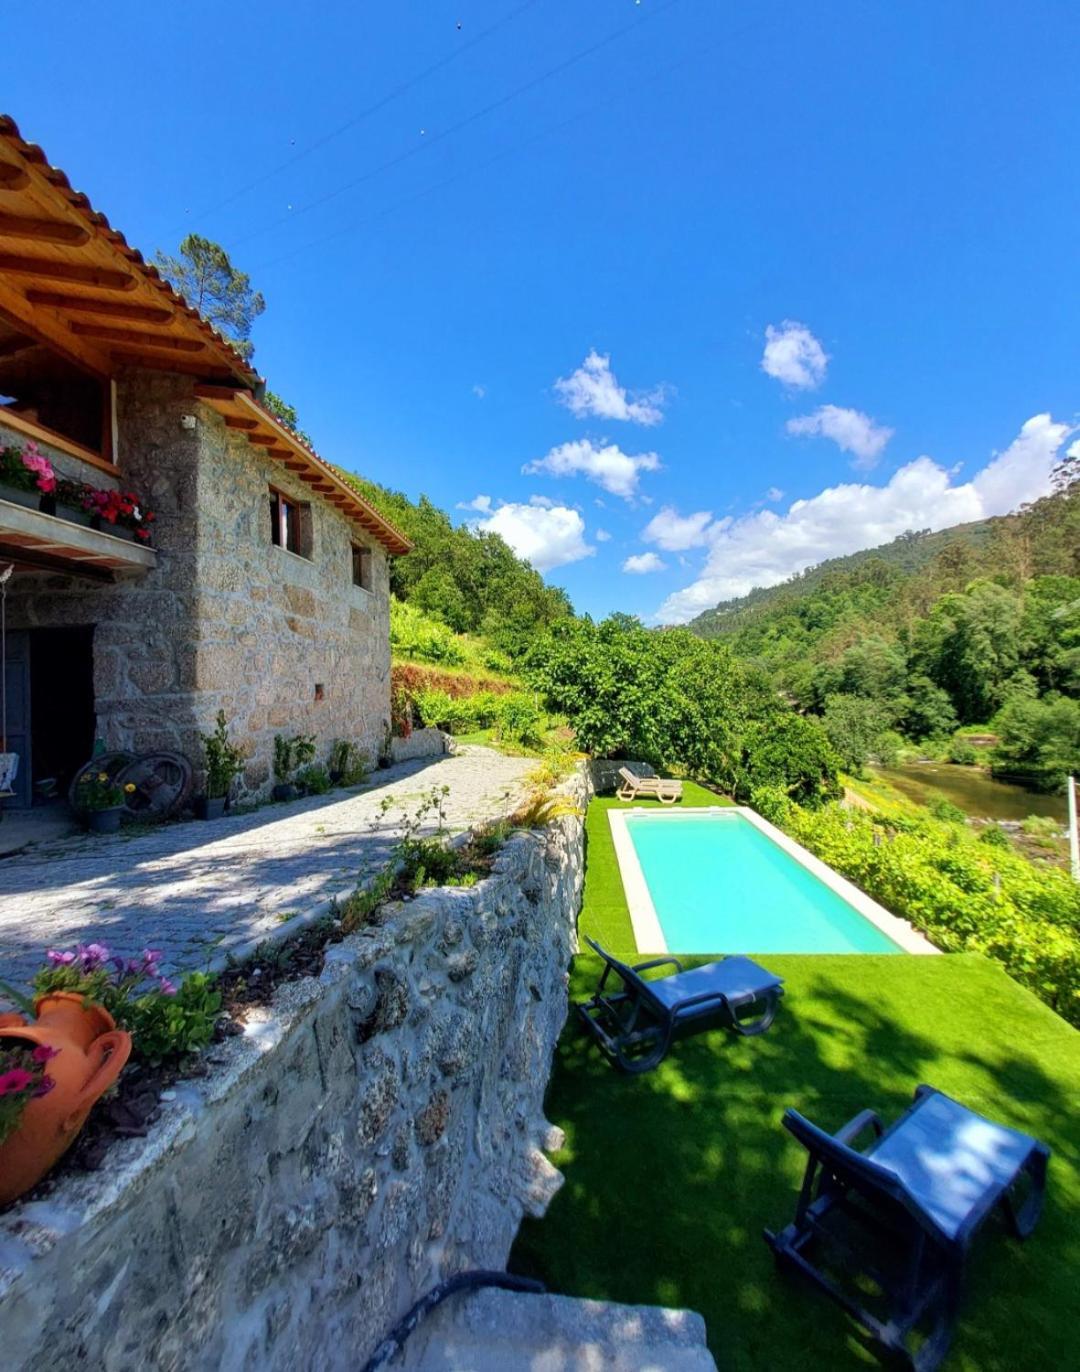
(200, 890)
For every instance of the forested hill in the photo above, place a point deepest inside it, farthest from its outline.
(977, 625)
(471, 581)
(908, 553)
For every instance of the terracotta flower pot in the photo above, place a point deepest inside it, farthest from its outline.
(90, 1054)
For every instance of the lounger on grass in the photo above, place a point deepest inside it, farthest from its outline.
(634, 787)
(635, 1025)
(904, 1212)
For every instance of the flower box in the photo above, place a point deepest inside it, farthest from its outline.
(31, 500)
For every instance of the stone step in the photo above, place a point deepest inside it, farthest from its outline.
(498, 1331)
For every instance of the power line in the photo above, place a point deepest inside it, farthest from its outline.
(366, 113)
(551, 129)
(523, 89)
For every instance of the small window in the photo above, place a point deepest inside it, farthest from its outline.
(290, 524)
(361, 566)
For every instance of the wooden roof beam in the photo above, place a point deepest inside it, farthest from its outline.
(234, 421)
(49, 269)
(43, 230)
(110, 309)
(136, 338)
(12, 177)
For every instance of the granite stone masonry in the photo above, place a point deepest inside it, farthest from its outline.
(372, 1131)
(226, 619)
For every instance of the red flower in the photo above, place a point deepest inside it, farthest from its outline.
(42, 1053)
(18, 1079)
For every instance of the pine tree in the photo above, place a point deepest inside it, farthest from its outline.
(208, 281)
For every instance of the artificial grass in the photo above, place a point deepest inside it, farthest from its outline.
(671, 1177)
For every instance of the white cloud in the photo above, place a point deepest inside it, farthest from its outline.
(545, 534)
(674, 532)
(479, 391)
(766, 548)
(774, 493)
(851, 430)
(478, 502)
(602, 536)
(608, 466)
(593, 390)
(642, 563)
(794, 356)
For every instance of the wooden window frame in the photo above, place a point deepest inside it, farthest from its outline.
(362, 552)
(302, 524)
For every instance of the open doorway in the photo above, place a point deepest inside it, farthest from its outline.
(61, 706)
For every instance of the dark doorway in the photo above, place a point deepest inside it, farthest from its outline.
(61, 705)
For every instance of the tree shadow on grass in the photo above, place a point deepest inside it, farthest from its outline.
(671, 1177)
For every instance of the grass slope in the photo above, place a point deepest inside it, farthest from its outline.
(671, 1178)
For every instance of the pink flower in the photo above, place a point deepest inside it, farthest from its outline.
(18, 1079)
(36, 461)
(60, 959)
(93, 955)
(168, 988)
(42, 1053)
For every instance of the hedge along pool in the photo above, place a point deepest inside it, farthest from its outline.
(726, 881)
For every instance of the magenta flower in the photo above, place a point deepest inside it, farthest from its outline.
(18, 1079)
(93, 955)
(42, 1053)
(168, 988)
(45, 1085)
(36, 461)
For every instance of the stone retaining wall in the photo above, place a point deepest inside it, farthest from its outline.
(371, 1132)
(420, 743)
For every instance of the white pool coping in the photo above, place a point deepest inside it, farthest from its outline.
(649, 936)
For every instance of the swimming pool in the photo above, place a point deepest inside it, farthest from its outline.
(726, 881)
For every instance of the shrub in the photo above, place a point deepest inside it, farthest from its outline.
(518, 719)
(414, 634)
(964, 894)
(224, 760)
(993, 837)
(314, 778)
(946, 811)
(1040, 826)
(962, 752)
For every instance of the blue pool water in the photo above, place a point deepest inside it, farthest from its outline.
(720, 885)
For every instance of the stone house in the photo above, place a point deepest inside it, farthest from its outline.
(263, 587)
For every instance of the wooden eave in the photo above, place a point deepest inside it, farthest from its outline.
(248, 419)
(70, 279)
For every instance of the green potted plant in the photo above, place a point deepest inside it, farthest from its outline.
(348, 763)
(224, 762)
(290, 754)
(100, 801)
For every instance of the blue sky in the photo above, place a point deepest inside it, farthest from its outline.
(681, 296)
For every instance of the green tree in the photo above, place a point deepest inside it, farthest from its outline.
(857, 729)
(1039, 740)
(969, 646)
(204, 275)
(286, 413)
(929, 711)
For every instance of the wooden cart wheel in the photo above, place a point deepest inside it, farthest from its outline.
(112, 764)
(162, 784)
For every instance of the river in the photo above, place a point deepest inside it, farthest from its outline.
(972, 789)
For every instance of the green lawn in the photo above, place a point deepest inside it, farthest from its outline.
(671, 1177)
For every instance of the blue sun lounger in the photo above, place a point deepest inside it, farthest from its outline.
(634, 1026)
(905, 1211)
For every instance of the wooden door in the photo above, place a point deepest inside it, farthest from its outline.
(17, 692)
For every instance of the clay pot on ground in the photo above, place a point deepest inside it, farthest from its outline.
(90, 1054)
(105, 821)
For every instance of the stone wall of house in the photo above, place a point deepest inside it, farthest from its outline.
(286, 644)
(226, 620)
(144, 639)
(373, 1131)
